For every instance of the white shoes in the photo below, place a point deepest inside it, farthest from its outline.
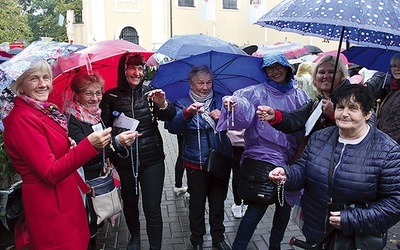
(238, 211)
(181, 190)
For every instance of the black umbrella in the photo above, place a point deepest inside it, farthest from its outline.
(313, 49)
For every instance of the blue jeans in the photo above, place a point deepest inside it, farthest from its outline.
(252, 217)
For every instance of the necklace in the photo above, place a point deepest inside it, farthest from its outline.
(281, 190)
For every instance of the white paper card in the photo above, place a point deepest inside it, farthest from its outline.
(97, 127)
(123, 121)
(313, 118)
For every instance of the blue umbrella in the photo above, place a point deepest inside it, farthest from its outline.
(183, 46)
(373, 23)
(231, 72)
(371, 58)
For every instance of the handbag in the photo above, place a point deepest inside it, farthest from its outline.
(105, 197)
(217, 163)
(14, 207)
(256, 187)
(339, 241)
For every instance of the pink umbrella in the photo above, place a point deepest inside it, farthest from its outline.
(290, 50)
(102, 56)
(342, 57)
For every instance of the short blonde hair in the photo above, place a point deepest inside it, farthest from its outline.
(42, 65)
(341, 68)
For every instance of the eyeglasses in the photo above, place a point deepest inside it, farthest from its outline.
(395, 66)
(273, 67)
(91, 94)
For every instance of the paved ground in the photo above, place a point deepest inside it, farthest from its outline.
(176, 233)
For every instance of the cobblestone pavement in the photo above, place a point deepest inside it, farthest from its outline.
(176, 233)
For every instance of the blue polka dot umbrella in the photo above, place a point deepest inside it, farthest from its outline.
(372, 23)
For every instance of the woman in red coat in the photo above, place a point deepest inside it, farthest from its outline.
(36, 139)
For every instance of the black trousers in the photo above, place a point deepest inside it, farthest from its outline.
(179, 166)
(236, 175)
(151, 180)
(201, 186)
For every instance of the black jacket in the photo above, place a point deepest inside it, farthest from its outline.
(133, 103)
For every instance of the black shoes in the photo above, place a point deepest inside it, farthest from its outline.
(134, 243)
(221, 246)
(198, 247)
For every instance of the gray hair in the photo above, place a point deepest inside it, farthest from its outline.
(197, 70)
(42, 65)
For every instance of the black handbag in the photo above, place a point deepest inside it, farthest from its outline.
(217, 163)
(339, 241)
(256, 187)
(14, 206)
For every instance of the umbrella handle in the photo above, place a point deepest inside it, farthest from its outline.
(88, 65)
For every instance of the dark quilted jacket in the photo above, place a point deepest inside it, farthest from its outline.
(133, 103)
(368, 173)
(389, 115)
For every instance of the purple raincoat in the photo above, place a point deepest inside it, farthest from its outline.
(263, 142)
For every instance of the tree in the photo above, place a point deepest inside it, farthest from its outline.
(13, 24)
(43, 17)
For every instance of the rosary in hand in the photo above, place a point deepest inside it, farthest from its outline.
(281, 190)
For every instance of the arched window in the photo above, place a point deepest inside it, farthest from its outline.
(129, 34)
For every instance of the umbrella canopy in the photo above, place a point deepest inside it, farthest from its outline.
(373, 23)
(370, 58)
(183, 46)
(231, 72)
(313, 49)
(290, 50)
(3, 59)
(342, 57)
(102, 56)
(15, 51)
(32, 54)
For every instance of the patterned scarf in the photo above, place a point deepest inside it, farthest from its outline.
(84, 114)
(207, 102)
(50, 109)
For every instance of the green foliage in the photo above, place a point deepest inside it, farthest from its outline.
(13, 25)
(28, 20)
(7, 171)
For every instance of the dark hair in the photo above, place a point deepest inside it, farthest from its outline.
(134, 59)
(357, 93)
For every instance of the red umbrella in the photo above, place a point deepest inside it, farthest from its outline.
(102, 56)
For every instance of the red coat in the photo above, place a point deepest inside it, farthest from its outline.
(40, 151)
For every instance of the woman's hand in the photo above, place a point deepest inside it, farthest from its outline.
(100, 139)
(158, 97)
(334, 219)
(229, 102)
(265, 113)
(72, 143)
(127, 138)
(327, 107)
(215, 114)
(195, 108)
(277, 175)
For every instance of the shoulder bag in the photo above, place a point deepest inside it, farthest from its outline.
(217, 163)
(256, 187)
(104, 196)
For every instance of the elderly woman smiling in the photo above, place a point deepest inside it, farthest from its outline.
(360, 164)
(36, 139)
